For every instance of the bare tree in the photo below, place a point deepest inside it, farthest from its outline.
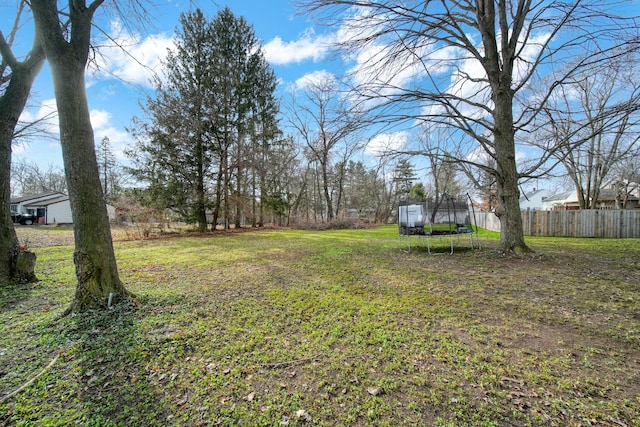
(592, 123)
(626, 182)
(67, 45)
(29, 178)
(327, 124)
(16, 79)
(468, 65)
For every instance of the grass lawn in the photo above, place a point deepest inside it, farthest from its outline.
(332, 328)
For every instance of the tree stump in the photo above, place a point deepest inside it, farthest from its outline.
(25, 266)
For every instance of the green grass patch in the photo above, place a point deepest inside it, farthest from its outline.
(328, 328)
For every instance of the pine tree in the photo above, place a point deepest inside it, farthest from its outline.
(216, 104)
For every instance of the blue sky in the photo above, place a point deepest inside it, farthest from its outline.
(293, 45)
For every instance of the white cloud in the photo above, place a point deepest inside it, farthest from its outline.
(381, 69)
(478, 155)
(45, 130)
(20, 149)
(521, 156)
(99, 118)
(374, 71)
(315, 77)
(119, 139)
(384, 143)
(529, 53)
(46, 114)
(130, 57)
(376, 66)
(307, 46)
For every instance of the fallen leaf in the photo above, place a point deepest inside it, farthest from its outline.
(250, 396)
(301, 413)
(373, 391)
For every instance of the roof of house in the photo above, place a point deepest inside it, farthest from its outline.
(559, 197)
(604, 195)
(36, 196)
(531, 194)
(48, 202)
(608, 194)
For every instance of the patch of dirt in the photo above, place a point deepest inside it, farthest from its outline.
(44, 236)
(41, 236)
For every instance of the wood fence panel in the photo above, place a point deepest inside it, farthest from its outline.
(612, 224)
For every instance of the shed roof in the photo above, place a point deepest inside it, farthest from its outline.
(47, 202)
(47, 194)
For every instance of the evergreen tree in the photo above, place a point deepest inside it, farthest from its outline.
(404, 176)
(107, 165)
(207, 118)
(173, 150)
(265, 137)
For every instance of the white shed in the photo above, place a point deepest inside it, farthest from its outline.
(58, 211)
(51, 208)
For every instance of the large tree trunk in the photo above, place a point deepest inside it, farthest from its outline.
(11, 105)
(508, 211)
(9, 246)
(94, 258)
(508, 194)
(499, 63)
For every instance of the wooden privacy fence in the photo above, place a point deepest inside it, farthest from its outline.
(618, 223)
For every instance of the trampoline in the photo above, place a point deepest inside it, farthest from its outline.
(452, 219)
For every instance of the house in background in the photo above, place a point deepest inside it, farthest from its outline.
(626, 190)
(612, 199)
(568, 200)
(532, 201)
(50, 208)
